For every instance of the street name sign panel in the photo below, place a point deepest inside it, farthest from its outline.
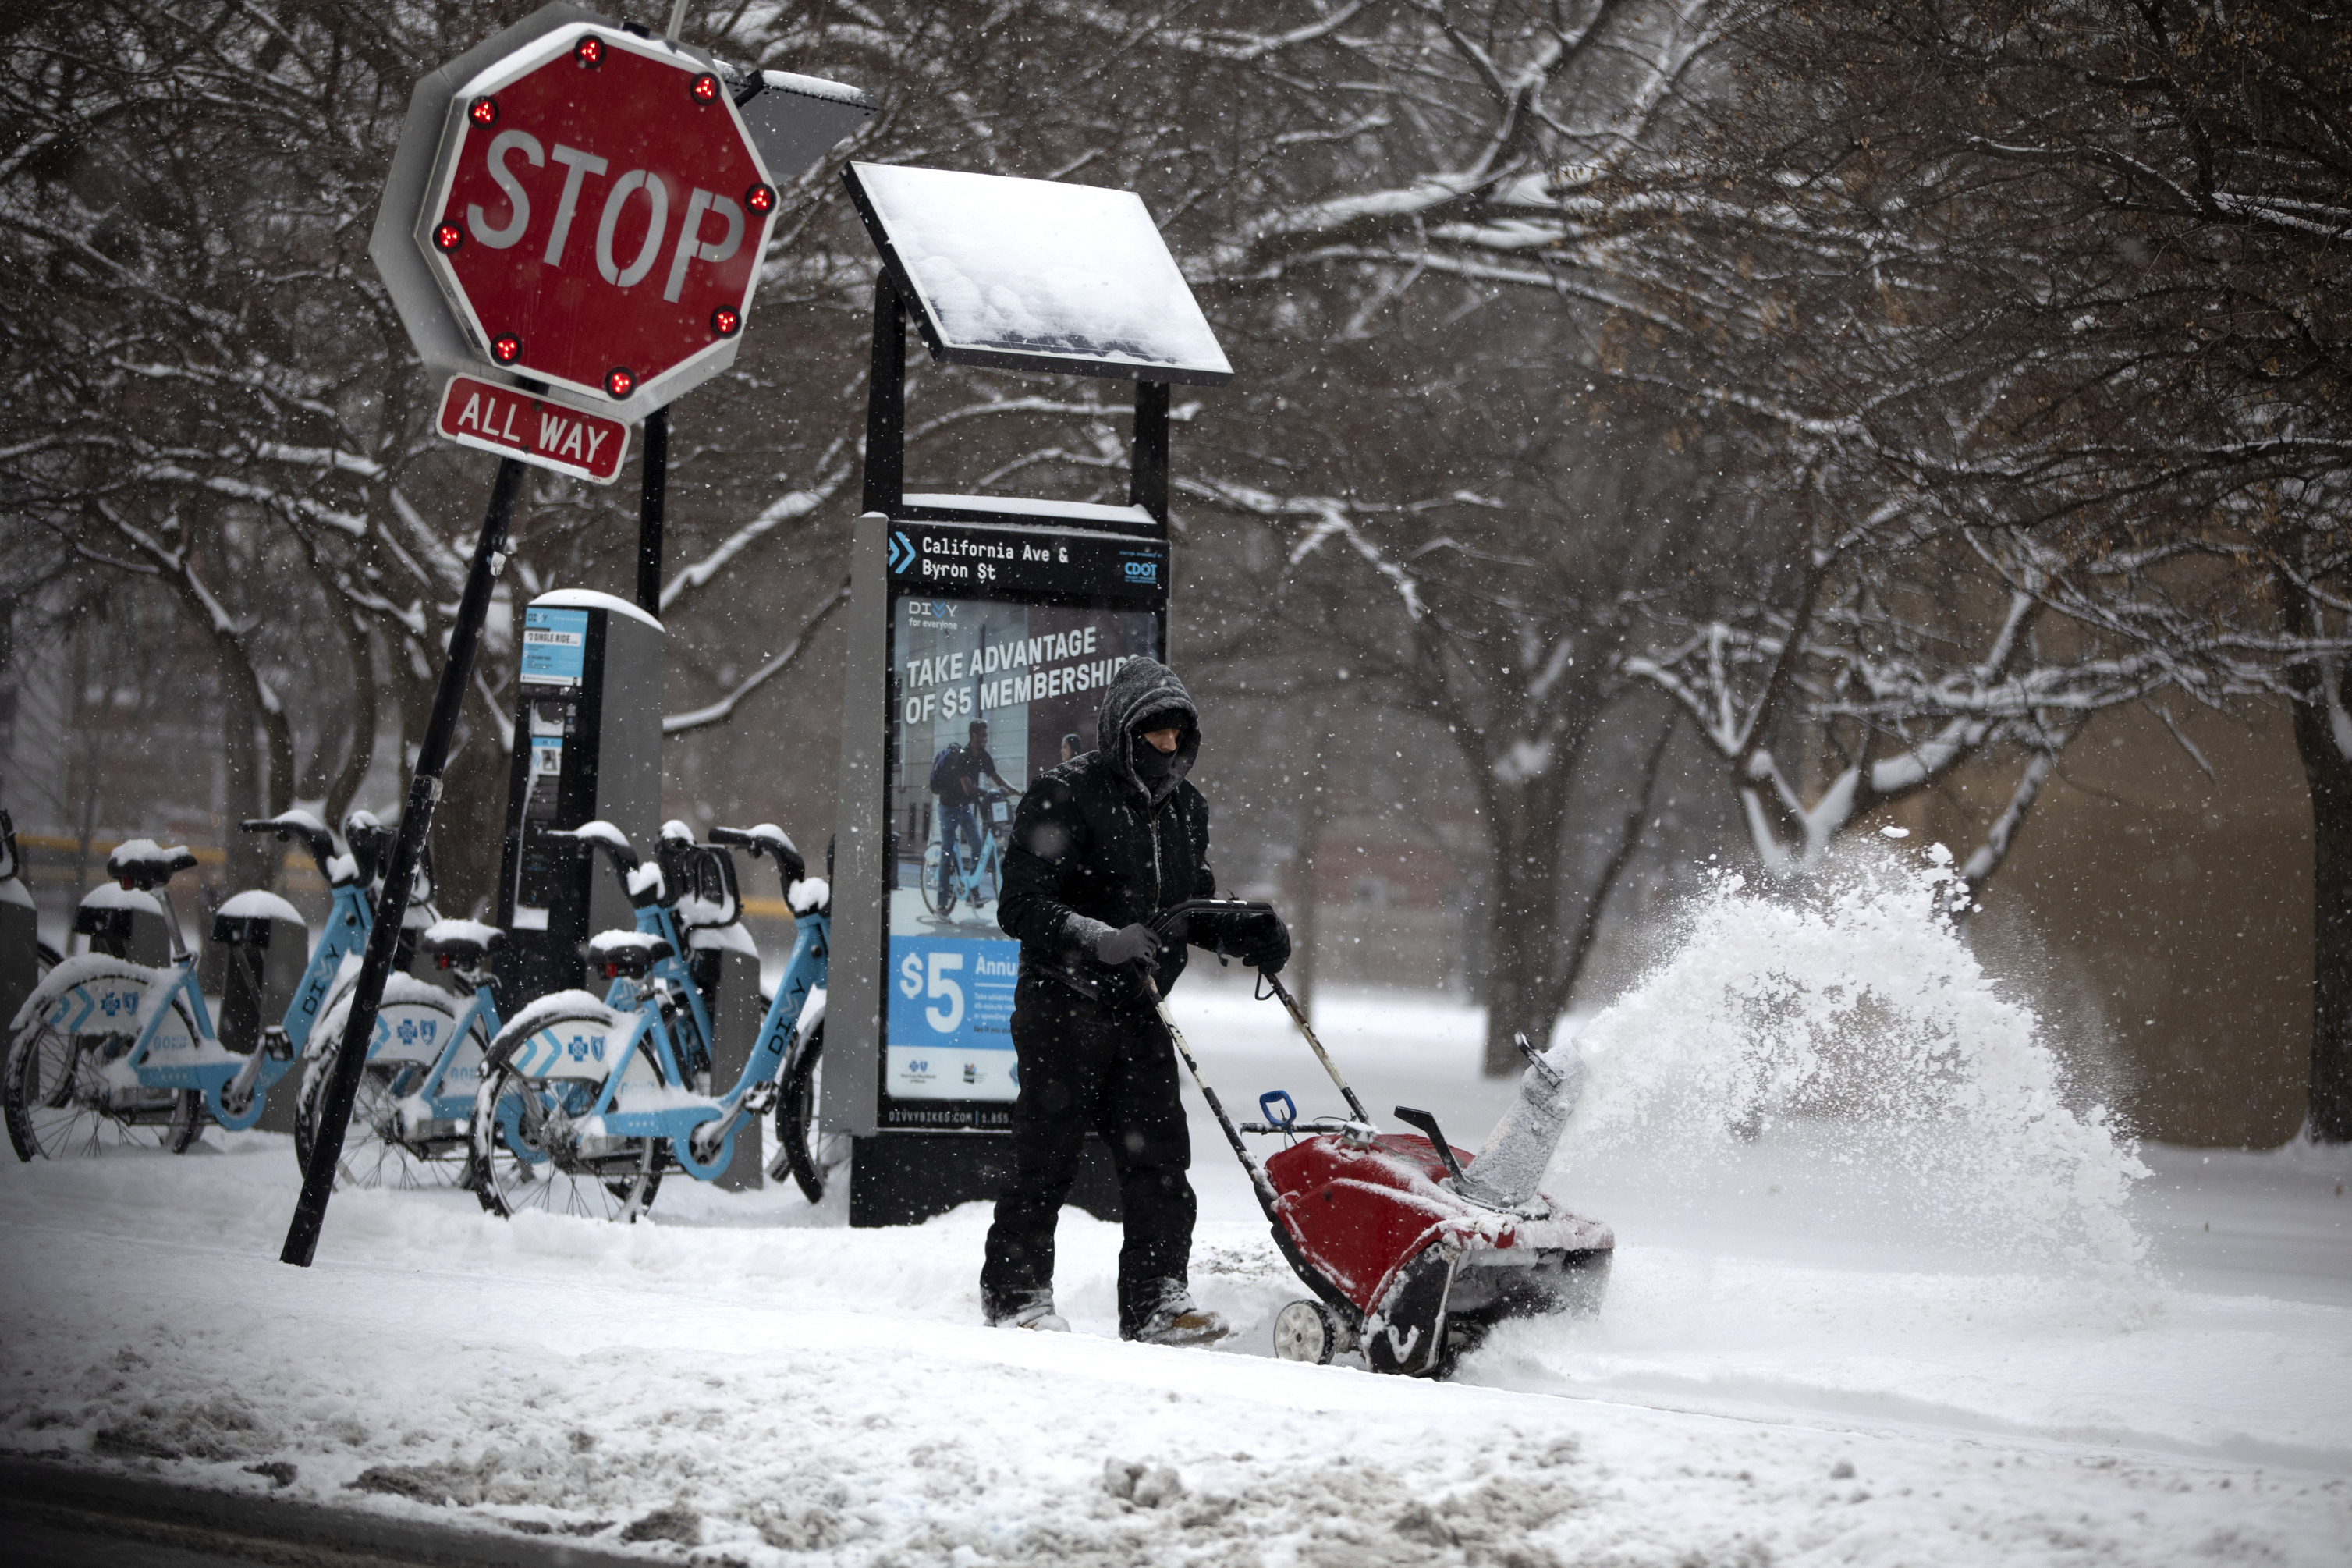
(494, 418)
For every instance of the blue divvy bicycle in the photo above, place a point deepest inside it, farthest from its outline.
(585, 1104)
(411, 1113)
(110, 1052)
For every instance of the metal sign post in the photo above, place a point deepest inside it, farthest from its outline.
(650, 502)
(423, 791)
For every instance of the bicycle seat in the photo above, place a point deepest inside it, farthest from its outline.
(143, 864)
(616, 954)
(462, 944)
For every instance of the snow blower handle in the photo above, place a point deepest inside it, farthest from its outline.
(1258, 1182)
(1298, 1016)
(1244, 909)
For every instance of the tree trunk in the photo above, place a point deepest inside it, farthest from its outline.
(469, 825)
(79, 725)
(361, 752)
(1306, 896)
(1524, 821)
(1585, 927)
(2322, 738)
(253, 859)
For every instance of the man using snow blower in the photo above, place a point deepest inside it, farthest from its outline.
(1100, 844)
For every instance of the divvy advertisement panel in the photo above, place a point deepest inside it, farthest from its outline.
(985, 695)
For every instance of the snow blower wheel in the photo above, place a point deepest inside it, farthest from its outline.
(1310, 1332)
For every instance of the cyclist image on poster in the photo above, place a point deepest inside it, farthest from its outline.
(985, 697)
(956, 776)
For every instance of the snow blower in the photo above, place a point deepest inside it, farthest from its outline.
(1414, 1249)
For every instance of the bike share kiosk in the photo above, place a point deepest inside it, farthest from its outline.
(587, 747)
(963, 608)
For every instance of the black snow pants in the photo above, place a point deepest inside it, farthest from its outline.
(1085, 1067)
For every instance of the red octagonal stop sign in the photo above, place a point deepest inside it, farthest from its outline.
(597, 215)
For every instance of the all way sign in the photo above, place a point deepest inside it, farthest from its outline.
(532, 430)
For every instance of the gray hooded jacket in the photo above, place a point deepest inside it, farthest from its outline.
(1095, 844)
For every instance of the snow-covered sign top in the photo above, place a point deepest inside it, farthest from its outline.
(590, 599)
(1035, 274)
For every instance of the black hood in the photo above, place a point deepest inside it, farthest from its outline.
(1142, 687)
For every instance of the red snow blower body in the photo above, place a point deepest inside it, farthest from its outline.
(1423, 1272)
(1411, 1256)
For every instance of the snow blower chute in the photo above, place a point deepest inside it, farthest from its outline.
(1414, 1248)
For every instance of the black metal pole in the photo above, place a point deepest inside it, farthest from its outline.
(1147, 483)
(885, 404)
(423, 790)
(650, 511)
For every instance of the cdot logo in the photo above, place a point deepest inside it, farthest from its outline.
(1143, 571)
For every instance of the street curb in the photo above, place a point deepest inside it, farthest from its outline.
(256, 1528)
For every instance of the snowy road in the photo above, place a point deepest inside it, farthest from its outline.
(1798, 1362)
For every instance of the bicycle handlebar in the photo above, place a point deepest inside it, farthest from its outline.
(602, 835)
(301, 825)
(767, 839)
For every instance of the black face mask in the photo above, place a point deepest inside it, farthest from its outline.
(1152, 765)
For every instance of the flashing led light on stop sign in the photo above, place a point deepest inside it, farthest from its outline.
(726, 322)
(619, 382)
(761, 199)
(448, 236)
(589, 52)
(706, 89)
(506, 348)
(484, 111)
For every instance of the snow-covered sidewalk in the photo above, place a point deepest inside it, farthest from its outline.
(738, 1379)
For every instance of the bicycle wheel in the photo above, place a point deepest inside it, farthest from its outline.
(932, 885)
(515, 1170)
(807, 1152)
(373, 1155)
(59, 1105)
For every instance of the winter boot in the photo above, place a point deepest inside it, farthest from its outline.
(1179, 1322)
(1037, 1314)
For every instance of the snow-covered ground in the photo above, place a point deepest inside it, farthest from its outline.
(1975, 1338)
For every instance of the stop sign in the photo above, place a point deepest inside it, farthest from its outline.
(597, 213)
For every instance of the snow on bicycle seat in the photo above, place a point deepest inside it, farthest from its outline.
(462, 944)
(614, 954)
(143, 864)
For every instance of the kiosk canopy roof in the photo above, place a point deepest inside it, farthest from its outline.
(1038, 275)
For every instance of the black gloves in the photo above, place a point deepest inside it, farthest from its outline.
(1263, 944)
(1131, 943)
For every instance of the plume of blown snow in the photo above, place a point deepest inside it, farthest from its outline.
(1846, 1029)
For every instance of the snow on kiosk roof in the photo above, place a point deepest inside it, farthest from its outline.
(1036, 274)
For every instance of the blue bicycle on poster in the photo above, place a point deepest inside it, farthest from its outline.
(946, 881)
(585, 1104)
(110, 1054)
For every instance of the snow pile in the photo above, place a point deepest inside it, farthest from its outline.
(1852, 1023)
